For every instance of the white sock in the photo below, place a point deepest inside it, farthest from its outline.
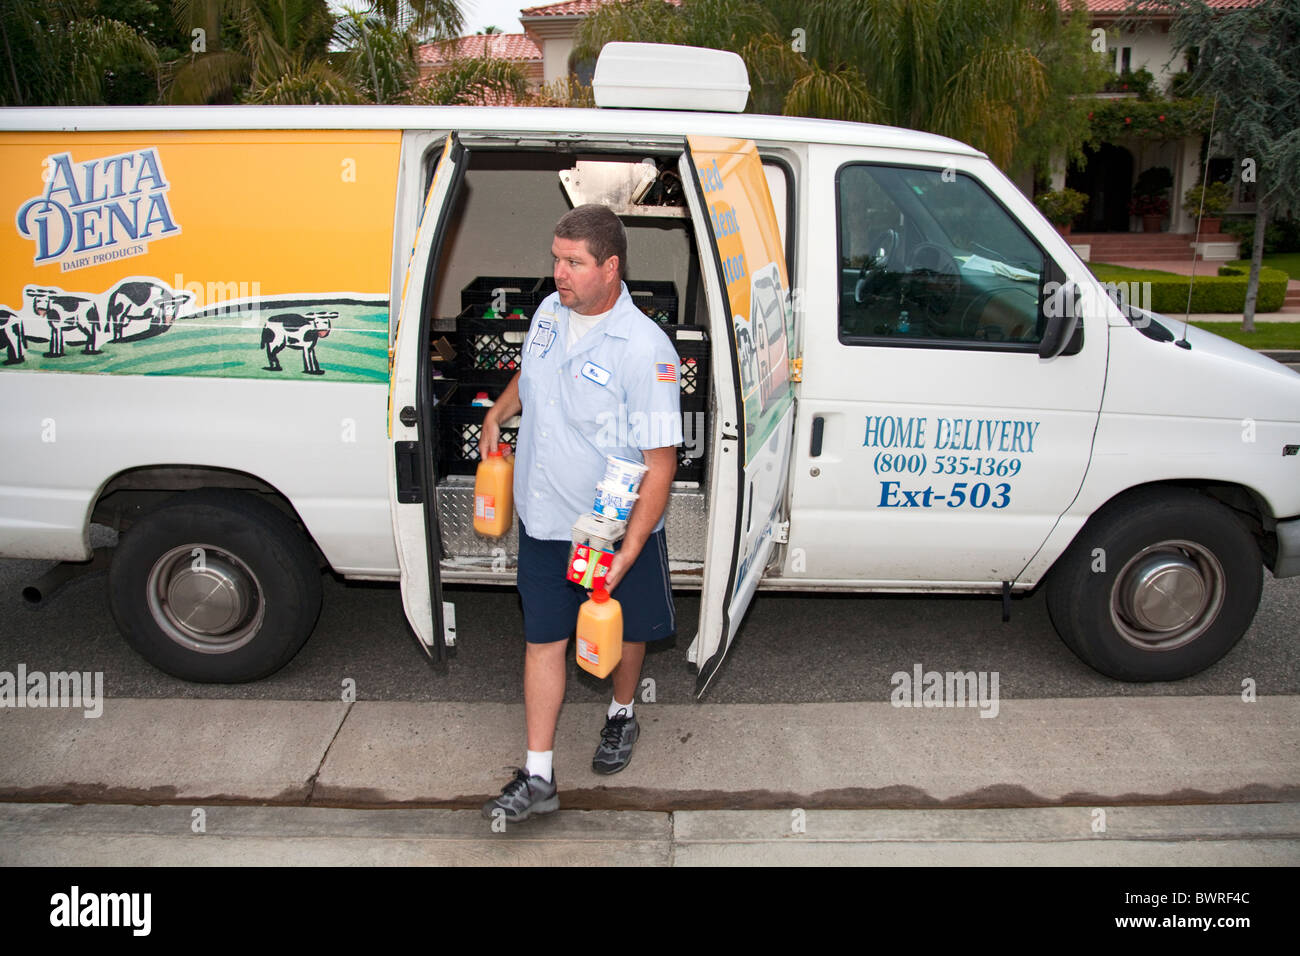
(615, 707)
(539, 764)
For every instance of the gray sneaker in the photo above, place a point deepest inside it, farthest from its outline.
(616, 742)
(523, 796)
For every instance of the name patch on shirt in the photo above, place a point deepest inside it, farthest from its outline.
(543, 337)
(595, 373)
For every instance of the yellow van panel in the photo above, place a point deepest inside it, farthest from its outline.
(198, 253)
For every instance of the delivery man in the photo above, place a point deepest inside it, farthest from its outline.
(597, 378)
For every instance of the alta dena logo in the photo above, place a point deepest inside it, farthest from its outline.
(98, 210)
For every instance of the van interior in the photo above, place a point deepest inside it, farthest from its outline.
(493, 272)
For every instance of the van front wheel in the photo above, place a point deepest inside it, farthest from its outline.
(215, 586)
(1158, 586)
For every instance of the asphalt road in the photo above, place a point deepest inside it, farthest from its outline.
(791, 648)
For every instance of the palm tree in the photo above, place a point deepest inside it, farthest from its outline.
(59, 53)
(379, 54)
(278, 57)
(469, 80)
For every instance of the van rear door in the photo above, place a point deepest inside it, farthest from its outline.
(751, 325)
(410, 409)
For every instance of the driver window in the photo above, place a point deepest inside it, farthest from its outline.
(927, 256)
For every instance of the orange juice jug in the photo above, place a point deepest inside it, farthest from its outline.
(600, 633)
(494, 503)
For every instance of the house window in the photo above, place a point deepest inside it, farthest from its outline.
(1225, 169)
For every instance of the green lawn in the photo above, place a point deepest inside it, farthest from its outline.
(1109, 273)
(1288, 262)
(1267, 335)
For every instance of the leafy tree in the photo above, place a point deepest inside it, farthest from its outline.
(1247, 61)
(71, 52)
(999, 74)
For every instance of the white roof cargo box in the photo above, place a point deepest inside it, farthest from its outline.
(663, 76)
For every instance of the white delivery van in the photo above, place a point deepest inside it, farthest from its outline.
(253, 340)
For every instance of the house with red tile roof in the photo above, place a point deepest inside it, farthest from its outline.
(1138, 41)
(519, 47)
(545, 48)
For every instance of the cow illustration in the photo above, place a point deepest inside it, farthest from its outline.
(65, 313)
(299, 332)
(143, 301)
(12, 338)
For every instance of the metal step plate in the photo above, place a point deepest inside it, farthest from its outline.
(463, 548)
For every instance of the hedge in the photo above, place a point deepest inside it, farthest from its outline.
(1225, 292)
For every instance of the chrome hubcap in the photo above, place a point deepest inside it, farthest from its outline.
(1167, 595)
(205, 599)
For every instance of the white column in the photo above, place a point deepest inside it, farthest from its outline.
(1187, 173)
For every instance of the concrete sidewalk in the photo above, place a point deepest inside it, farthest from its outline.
(1177, 780)
(82, 836)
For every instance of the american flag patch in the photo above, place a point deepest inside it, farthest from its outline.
(665, 372)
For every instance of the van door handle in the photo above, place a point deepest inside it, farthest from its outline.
(818, 426)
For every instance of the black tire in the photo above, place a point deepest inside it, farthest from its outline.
(215, 586)
(1177, 583)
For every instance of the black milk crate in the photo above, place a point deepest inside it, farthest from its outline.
(656, 299)
(488, 345)
(692, 365)
(459, 428)
(521, 292)
(693, 376)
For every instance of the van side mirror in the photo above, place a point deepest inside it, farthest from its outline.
(1062, 310)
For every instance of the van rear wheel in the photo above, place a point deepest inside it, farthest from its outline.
(215, 586)
(1158, 586)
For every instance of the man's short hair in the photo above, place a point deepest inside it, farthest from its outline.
(602, 231)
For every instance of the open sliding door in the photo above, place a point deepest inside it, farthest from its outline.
(751, 325)
(413, 471)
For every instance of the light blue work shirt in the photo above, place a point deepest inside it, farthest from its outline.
(617, 392)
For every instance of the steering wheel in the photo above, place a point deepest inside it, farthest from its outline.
(935, 274)
(883, 248)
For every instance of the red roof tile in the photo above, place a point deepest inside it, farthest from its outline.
(572, 8)
(1156, 9)
(503, 46)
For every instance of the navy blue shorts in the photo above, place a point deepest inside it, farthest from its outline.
(551, 601)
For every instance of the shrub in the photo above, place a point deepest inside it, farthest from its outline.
(1225, 292)
(1218, 197)
(1060, 206)
(1280, 235)
(1148, 206)
(1139, 81)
